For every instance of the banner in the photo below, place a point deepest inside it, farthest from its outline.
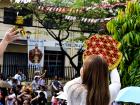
(76, 45)
(35, 53)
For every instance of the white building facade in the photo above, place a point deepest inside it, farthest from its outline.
(17, 52)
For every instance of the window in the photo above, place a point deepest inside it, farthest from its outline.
(54, 63)
(14, 61)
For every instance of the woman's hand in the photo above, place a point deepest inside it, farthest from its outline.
(11, 35)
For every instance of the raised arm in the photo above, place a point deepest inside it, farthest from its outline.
(44, 74)
(115, 85)
(10, 36)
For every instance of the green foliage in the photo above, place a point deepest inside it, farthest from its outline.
(96, 13)
(57, 20)
(125, 28)
(72, 3)
(29, 6)
(78, 4)
(57, 2)
(82, 38)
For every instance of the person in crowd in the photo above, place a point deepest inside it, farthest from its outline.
(41, 100)
(56, 85)
(35, 84)
(62, 102)
(18, 90)
(23, 77)
(1, 77)
(38, 74)
(14, 83)
(41, 78)
(43, 89)
(3, 94)
(41, 81)
(54, 100)
(34, 102)
(25, 95)
(10, 36)
(11, 98)
(61, 98)
(18, 77)
(92, 87)
(1, 98)
(9, 79)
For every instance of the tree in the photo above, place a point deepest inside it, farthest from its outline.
(51, 20)
(125, 28)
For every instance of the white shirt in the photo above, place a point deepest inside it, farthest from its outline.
(79, 93)
(10, 82)
(41, 82)
(35, 85)
(11, 101)
(18, 77)
(38, 91)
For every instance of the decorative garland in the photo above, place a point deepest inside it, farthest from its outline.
(66, 10)
(74, 18)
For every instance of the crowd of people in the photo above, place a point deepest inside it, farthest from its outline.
(32, 93)
(91, 88)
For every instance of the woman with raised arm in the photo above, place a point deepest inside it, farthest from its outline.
(10, 36)
(92, 87)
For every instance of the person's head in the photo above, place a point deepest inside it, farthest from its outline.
(18, 87)
(18, 71)
(34, 94)
(36, 46)
(55, 77)
(95, 78)
(27, 90)
(14, 81)
(36, 79)
(37, 73)
(12, 90)
(9, 77)
(42, 95)
(1, 76)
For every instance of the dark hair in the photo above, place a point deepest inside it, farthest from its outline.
(95, 79)
(1, 76)
(36, 78)
(13, 89)
(42, 95)
(27, 90)
(19, 86)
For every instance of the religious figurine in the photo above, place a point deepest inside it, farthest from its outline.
(35, 55)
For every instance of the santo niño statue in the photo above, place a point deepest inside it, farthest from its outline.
(35, 55)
